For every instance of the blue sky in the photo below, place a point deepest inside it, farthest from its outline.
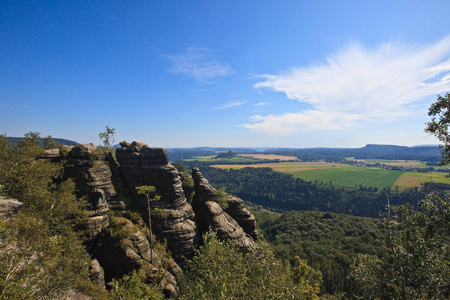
(224, 73)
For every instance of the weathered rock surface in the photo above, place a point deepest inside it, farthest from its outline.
(243, 217)
(211, 215)
(9, 206)
(121, 249)
(92, 178)
(97, 273)
(174, 220)
(124, 248)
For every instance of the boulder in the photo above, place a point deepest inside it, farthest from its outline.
(9, 206)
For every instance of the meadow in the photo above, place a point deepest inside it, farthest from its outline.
(348, 175)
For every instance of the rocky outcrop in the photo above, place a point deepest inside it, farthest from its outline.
(124, 248)
(9, 206)
(211, 215)
(173, 219)
(92, 176)
(243, 217)
(97, 273)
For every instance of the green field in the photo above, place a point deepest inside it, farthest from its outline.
(349, 175)
(352, 176)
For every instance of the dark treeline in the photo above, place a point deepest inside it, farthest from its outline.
(176, 154)
(271, 189)
(424, 153)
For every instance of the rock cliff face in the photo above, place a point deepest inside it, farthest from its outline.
(175, 219)
(243, 217)
(211, 215)
(124, 248)
(105, 181)
(92, 179)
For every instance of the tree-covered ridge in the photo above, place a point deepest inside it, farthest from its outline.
(268, 188)
(328, 242)
(370, 151)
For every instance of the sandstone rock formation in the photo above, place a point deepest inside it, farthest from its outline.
(123, 248)
(92, 178)
(243, 217)
(110, 182)
(211, 215)
(97, 273)
(174, 219)
(9, 206)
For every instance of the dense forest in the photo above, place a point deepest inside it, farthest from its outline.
(263, 186)
(328, 242)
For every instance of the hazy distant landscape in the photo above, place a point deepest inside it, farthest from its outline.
(376, 166)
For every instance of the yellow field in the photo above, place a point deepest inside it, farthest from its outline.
(269, 156)
(413, 179)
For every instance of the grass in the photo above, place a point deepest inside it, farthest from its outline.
(413, 179)
(348, 175)
(352, 176)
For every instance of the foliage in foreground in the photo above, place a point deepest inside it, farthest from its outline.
(221, 271)
(41, 254)
(135, 287)
(415, 263)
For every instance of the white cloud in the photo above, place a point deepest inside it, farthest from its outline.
(358, 85)
(232, 104)
(261, 104)
(199, 64)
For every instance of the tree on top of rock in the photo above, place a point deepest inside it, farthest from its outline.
(107, 136)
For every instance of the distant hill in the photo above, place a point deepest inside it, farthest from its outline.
(428, 153)
(371, 151)
(16, 140)
(176, 154)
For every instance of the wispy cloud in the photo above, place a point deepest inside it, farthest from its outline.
(232, 104)
(358, 85)
(200, 64)
(261, 104)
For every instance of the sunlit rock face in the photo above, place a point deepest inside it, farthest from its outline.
(174, 217)
(92, 178)
(243, 217)
(211, 215)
